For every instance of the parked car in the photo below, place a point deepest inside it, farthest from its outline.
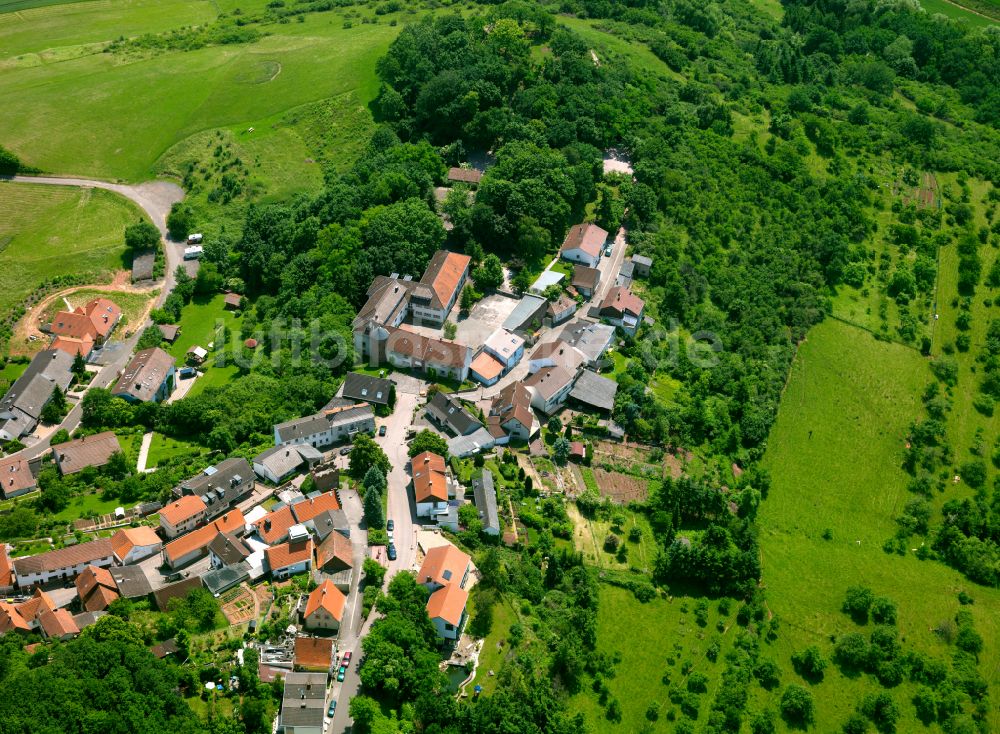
(332, 709)
(392, 540)
(390, 524)
(392, 552)
(347, 659)
(381, 430)
(345, 451)
(341, 674)
(607, 250)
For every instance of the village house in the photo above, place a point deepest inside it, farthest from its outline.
(15, 477)
(622, 308)
(335, 554)
(444, 565)
(366, 389)
(560, 310)
(549, 388)
(331, 521)
(586, 280)
(274, 526)
(63, 564)
(183, 515)
(485, 368)
(149, 377)
(593, 391)
(464, 175)
(449, 414)
(96, 589)
(96, 320)
(73, 347)
(326, 428)
(446, 608)
(511, 416)
(555, 354)
(194, 545)
(485, 495)
(430, 484)
(507, 348)
(591, 339)
(77, 455)
(131, 545)
(641, 266)
(313, 654)
(25, 616)
(324, 608)
(583, 244)
(227, 549)
(220, 486)
(528, 315)
(290, 558)
(303, 705)
(22, 405)
(280, 462)
(407, 349)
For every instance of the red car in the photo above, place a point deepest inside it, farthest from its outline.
(346, 659)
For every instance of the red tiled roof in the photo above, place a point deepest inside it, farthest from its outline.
(58, 624)
(200, 538)
(306, 511)
(288, 554)
(96, 588)
(128, 538)
(621, 300)
(335, 546)
(429, 479)
(74, 555)
(274, 525)
(443, 565)
(448, 603)
(104, 314)
(313, 653)
(74, 346)
(183, 509)
(486, 366)
(6, 569)
(326, 596)
(96, 450)
(587, 237)
(15, 475)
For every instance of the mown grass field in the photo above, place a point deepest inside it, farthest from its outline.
(47, 231)
(108, 116)
(162, 448)
(834, 455)
(199, 322)
(653, 639)
(987, 7)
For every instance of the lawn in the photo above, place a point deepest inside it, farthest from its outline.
(495, 648)
(834, 456)
(88, 103)
(199, 323)
(48, 231)
(11, 371)
(661, 636)
(163, 448)
(86, 505)
(958, 13)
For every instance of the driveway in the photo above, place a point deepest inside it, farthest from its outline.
(609, 267)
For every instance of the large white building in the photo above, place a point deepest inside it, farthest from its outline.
(326, 428)
(63, 564)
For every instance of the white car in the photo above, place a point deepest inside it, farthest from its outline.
(391, 538)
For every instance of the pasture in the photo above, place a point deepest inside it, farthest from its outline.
(834, 456)
(112, 116)
(970, 12)
(48, 231)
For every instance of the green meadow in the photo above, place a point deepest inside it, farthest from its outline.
(954, 10)
(113, 116)
(48, 231)
(834, 455)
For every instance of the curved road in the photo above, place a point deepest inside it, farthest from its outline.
(155, 198)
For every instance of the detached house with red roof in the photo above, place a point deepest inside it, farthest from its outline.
(583, 244)
(290, 558)
(430, 484)
(324, 608)
(96, 320)
(15, 477)
(183, 515)
(131, 545)
(445, 572)
(623, 308)
(96, 589)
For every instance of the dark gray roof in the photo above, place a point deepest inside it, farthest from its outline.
(368, 389)
(302, 428)
(450, 412)
(31, 391)
(330, 520)
(592, 389)
(304, 701)
(143, 263)
(220, 485)
(229, 548)
(144, 374)
(486, 501)
(225, 578)
(590, 338)
(132, 581)
(283, 460)
(628, 267)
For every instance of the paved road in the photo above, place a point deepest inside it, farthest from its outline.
(609, 267)
(155, 198)
(403, 513)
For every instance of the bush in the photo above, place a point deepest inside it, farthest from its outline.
(857, 602)
(797, 706)
(809, 663)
